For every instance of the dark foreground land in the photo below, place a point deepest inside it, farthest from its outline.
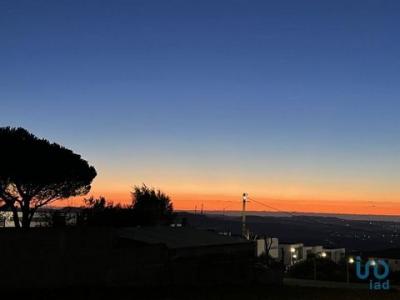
(208, 293)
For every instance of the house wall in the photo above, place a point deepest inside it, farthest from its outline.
(260, 247)
(40, 219)
(336, 255)
(269, 243)
(286, 256)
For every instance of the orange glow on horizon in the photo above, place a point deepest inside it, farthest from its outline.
(216, 192)
(190, 202)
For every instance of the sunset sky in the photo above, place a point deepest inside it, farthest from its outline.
(295, 102)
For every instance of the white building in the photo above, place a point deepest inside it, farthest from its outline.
(315, 250)
(40, 218)
(391, 256)
(336, 255)
(268, 244)
(290, 254)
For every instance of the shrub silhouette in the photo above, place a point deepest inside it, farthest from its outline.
(150, 206)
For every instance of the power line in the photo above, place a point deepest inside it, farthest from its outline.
(271, 207)
(313, 220)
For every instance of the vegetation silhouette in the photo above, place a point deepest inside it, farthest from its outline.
(149, 207)
(325, 269)
(98, 212)
(35, 172)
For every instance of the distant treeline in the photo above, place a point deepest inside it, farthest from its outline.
(149, 207)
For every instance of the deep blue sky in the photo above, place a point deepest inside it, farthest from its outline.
(207, 93)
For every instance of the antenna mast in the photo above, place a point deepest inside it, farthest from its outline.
(245, 234)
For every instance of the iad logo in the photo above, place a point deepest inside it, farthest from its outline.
(379, 279)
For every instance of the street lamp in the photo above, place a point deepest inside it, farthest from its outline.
(372, 262)
(349, 262)
(292, 255)
(323, 255)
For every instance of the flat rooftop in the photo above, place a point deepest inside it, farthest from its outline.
(178, 237)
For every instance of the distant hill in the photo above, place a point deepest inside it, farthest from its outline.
(333, 232)
(388, 218)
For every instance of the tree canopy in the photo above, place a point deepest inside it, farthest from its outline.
(35, 172)
(151, 206)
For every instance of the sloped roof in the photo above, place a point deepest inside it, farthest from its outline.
(178, 237)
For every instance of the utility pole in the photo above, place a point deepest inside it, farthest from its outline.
(315, 267)
(244, 229)
(349, 262)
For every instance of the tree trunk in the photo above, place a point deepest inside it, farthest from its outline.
(15, 216)
(26, 220)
